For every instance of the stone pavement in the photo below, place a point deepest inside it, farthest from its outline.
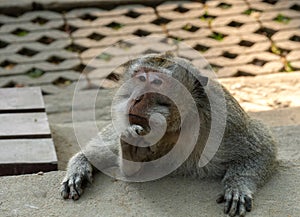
(51, 48)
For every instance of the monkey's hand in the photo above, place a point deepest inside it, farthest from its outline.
(79, 171)
(134, 131)
(237, 201)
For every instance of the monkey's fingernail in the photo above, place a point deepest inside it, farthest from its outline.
(220, 199)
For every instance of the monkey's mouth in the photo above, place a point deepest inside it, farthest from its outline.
(139, 120)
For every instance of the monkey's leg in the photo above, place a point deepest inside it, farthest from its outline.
(240, 183)
(79, 169)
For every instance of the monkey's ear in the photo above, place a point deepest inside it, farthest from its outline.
(168, 54)
(202, 80)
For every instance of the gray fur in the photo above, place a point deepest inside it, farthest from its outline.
(245, 159)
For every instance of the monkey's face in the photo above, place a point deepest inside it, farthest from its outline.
(147, 101)
(148, 95)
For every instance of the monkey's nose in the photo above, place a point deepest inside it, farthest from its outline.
(138, 99)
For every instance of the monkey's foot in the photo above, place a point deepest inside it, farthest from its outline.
(236, 201)
(71, 187)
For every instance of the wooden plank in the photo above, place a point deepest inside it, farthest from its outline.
(28, 125)
(21, 99)
(25, 138)
(23, 156)
(27, 151)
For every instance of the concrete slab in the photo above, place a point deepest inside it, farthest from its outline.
(37, 195)
(279, 117)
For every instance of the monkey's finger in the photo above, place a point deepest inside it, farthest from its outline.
(234, 203)
(242, 209)
(78, 188)
(228, 201)
(89, 176)
(248, 203)
(73, 192)
(65, 190)
(138, 129)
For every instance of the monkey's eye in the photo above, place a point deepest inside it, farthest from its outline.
(157, 82)
(125, 95)
(142, 78)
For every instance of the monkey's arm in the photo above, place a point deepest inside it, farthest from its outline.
(101, 152)
(248, 171)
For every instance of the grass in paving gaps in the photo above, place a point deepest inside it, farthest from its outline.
(190, 28)
(20, 32)
(115, 26)
(224, 5)
(288, 67)
(105, 56)
(250, 11)
(217, 36)
(35, 73)
(207, 17)
(282, 19)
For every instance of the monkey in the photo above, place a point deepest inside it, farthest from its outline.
(244, 160)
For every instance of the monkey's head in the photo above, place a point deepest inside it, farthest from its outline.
(153, 79)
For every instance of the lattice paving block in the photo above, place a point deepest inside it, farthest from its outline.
(85, 13)
(291, 35)
(112, 22)
(179, 6)
(36, 70)
(190, 25)
(178, 14)
(25, 138)
(133, 10)
(267, 68)
(265, 5)
(43, 44)
(220, 8)
(32, 36)
(183, 34)
(41, 17)
(277, 26)
(61, 78)
(31, 26)
(280, 16)
(29, 55)
(138, 30)
(293, 55)
(237, 29)
(233, 21)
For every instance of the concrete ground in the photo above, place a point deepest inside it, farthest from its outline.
(252, 45)
(38, 195)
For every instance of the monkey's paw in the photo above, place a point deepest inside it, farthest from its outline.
(72, 185)
(237, 202)
(133, 131)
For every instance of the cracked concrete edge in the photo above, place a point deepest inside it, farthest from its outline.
(61, 4)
